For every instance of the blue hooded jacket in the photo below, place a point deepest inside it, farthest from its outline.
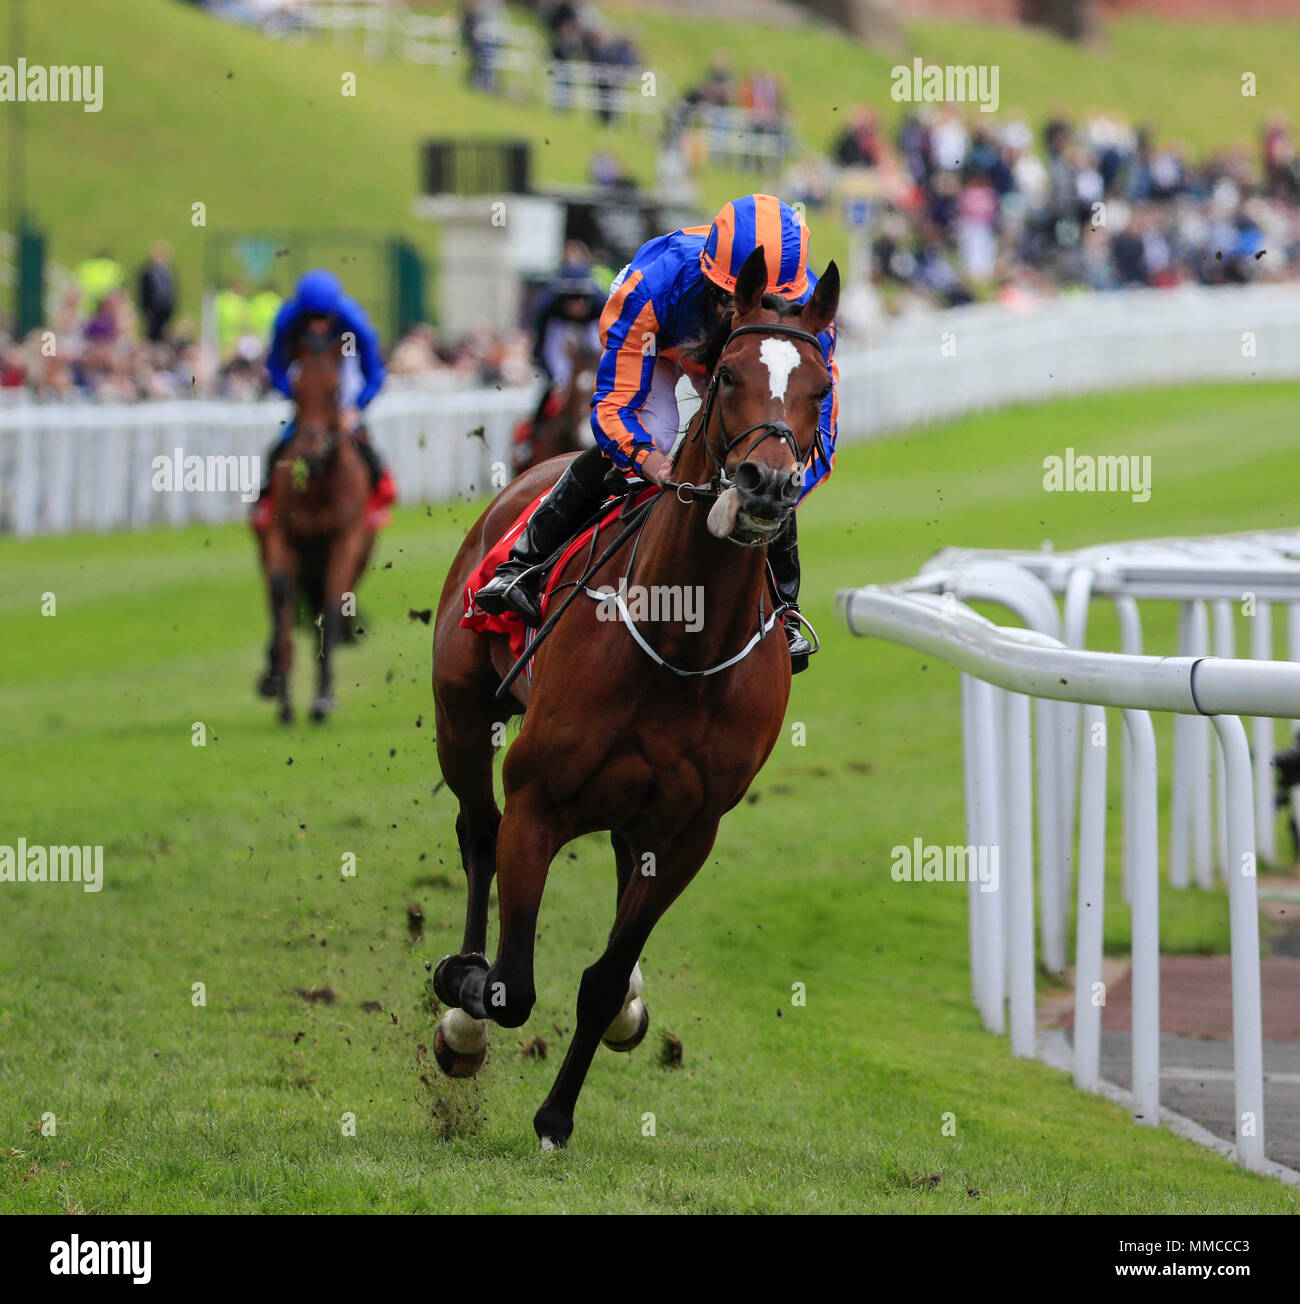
(319, 293)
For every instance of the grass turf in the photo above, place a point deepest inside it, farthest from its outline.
(222, 867)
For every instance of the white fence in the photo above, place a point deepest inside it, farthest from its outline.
(1003, 669)
(86, 466)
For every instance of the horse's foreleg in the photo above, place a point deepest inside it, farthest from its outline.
(280, 571)
(606, 984)
(342, 569)
(527, 841)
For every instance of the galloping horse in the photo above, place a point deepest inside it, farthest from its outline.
(318, 541)
(653, 748)
(569, 430)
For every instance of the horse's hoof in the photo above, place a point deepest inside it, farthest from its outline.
(450, 975)
(465, 1058)
(322, 708)
(269, 685)
(636, 1017)
(552, 1132)
(286, 714)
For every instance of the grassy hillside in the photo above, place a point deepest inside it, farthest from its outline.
(199, 111)
(222, 867)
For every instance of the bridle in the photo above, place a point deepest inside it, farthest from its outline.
(635, 522)
(720, 482)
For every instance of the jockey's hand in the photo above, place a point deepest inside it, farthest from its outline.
(656, 467)
(349, 420)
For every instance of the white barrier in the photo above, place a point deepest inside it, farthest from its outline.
(90, 466)
(84, 466)
(1208, 574)
(1002, 669)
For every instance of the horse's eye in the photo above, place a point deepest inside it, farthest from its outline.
(726, 376)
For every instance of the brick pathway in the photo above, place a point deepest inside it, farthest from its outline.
(1196, 1037)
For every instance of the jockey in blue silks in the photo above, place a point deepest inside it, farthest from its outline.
(675, 291)
(319, 303)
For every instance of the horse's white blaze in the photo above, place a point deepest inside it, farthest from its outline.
(781, 358)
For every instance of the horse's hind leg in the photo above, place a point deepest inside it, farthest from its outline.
(605, 984)
(628, 1029)
(465, 727)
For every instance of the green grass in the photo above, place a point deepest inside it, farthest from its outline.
(222, 866)
(259, 131)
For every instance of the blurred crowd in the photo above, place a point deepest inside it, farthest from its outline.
(961, 206)
(113, 336)
(950, 207)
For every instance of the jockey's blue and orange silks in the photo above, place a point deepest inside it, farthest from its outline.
(659, 308)
(741, 227)
(320, 293)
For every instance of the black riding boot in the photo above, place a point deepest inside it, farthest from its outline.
(559, 516)
(783, 557)
(268, 463)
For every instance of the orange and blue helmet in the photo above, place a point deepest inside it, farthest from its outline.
(741, 227)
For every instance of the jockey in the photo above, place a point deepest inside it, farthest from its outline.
(567, 321)
(569, 315)
(319, 304)
(674, 293)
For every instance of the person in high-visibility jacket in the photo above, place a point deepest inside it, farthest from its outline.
(97, 278)
(232, 317)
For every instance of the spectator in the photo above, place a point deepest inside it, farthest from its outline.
(478, 19)
(157, 291)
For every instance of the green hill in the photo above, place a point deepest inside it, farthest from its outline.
(260, 132)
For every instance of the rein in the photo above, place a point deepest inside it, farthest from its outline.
(718, 484)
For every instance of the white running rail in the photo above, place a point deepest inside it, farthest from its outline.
(1003, 669)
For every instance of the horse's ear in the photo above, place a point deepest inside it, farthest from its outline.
(819, 311)
(751, 283)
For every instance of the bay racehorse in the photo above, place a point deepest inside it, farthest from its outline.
(318, 540)
(654, 746)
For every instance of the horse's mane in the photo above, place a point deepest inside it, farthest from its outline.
(709, 351)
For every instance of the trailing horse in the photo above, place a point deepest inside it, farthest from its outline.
(642, 728)
(318, 539)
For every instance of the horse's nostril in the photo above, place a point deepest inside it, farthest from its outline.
(749, 478)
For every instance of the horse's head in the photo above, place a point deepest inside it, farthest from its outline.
(760, 421)
(319, 354)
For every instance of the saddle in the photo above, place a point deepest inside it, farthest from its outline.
(475, 618)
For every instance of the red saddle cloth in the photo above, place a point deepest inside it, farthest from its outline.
(474, 617)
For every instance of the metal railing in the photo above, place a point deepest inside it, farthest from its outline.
(1003, 669)
(77, 466)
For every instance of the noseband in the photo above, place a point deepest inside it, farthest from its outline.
(762, 430)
